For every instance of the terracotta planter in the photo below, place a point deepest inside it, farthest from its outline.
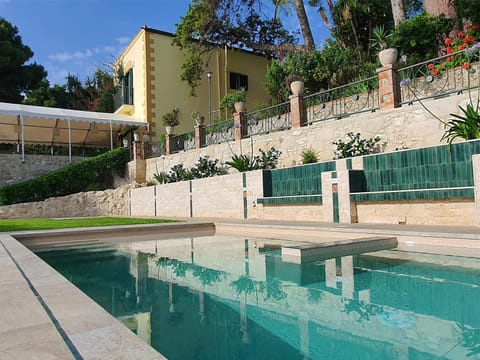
(169, 130)
(388, 56)
(297, 87)
(239, 106)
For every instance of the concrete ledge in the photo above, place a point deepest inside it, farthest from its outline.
(315, 252)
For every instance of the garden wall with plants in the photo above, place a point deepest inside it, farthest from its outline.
(407, 127)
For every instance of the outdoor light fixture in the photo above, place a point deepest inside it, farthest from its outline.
(209, 76)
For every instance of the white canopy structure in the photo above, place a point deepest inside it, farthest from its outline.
(26, 124)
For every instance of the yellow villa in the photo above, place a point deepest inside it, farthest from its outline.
(151, 85)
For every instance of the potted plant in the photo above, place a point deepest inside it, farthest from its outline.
(170, 120)
(198, 118)
(295, 83)
(234, 100)
(382, 41)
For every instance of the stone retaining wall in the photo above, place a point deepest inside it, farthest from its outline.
(113, 202)
(13, 170)
(407, 127)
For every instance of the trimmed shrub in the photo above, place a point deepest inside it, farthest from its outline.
(94, 173)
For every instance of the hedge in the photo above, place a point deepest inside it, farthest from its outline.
(91, 174)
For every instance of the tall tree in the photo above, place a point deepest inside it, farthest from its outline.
(16, 76)
(304, 26)
(445, 7)
(229, 23)
(398, 12)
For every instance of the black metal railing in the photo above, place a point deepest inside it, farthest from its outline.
(345, 100)
(219, 131)
(273, 118)
(441, 76)
(154, 149)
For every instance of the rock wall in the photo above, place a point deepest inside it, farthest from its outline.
(13, 170)
(114, 202)
(407, 127)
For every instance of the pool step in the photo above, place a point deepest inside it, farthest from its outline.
(326, 250)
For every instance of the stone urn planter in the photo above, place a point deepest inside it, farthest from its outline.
(239, 106)
(169, 130)
(297, 87)
(388, 56)
(136, 136)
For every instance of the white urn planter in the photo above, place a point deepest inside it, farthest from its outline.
(200, 120)
(136, 136)
(297, 87)
(388, 56)
(169, 130)
(239, 106)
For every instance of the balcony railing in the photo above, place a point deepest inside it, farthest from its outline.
(269, 119)
(120, 98)
(356, 97)
(444, 75)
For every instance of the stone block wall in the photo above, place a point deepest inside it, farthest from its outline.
(113, 202)
(407, 127)
(13, 170)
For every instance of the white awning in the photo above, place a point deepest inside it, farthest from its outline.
(23, 124)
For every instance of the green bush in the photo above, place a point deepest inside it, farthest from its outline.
(94, 173)
(309, 156)
(355, 146)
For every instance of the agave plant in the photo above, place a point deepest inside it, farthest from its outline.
(243, 162)
(464, 126)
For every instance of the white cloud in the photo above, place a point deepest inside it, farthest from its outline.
(67, 56)
(123, 40)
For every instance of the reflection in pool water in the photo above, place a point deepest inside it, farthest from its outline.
(235, 298)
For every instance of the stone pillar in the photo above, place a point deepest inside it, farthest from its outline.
(388, 87)
(327, 196)
(476, 184)
(347, 209)
(138, 151)
(200, 134)
(240, 125)
(168, 144)
(298, 111)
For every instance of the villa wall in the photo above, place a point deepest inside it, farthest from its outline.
(113, 202)
(407, 127)
(13, 170)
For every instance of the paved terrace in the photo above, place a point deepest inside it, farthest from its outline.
(43, 316)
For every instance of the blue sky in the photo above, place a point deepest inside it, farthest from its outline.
(79, 36)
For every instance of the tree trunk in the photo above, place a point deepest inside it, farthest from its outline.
(398, 12)
(447, 7)
(304, 26)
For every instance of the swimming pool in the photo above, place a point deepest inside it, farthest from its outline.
(223, 297)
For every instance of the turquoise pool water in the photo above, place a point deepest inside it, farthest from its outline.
(234, 298)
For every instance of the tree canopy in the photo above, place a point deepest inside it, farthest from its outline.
(16, 75)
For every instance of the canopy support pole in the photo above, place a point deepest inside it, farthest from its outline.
(111, 135)
(69, 142)
(23, 137)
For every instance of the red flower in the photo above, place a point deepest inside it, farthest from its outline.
(449, 58)
(461, 34)
(468, 39)
(466, 65)
(475, 27)
(434, 72)
(448, 41)
(430, 66)
(461, 47)
(468, 27)
(449, 50)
